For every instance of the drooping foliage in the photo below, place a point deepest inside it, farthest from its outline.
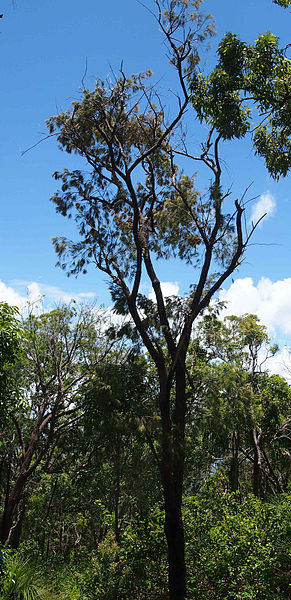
(133, 203)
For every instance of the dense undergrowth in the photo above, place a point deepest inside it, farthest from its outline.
(236, 550)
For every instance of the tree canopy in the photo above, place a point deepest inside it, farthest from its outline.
(135, 204)
(250, 83)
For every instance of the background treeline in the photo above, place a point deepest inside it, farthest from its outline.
(81, 503)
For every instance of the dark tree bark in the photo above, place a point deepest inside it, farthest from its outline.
(10, 508)
(16, 529)
(172, 475)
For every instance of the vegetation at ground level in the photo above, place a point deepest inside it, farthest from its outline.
(235, 550)
(80, 432)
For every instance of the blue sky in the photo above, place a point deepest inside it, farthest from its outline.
(44, 48)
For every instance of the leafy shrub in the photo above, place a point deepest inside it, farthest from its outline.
(137, 569)
(237, 550)
(62, 583)
(20, 580)
(3, 559)
(101, 577)
(144, 558)
(234, 551)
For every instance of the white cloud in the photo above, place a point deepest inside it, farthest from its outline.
(168, 289)
(271, 301)
(87, 295)
(35, 292)
(9, 295)
(280, 364)
(56, 294)
(265, 206)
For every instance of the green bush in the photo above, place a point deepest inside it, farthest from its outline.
(20, 580)
(237, 550)
(137, 569)
(3, 559)
(144, 558)
(61, 583)
(101, 577)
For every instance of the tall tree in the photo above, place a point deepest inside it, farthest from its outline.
(134, 204)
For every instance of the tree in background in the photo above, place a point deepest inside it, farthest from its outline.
(11, 340)
(102, 472)
(242, 412)
(134, 204)
(59, 351)
(10, 350)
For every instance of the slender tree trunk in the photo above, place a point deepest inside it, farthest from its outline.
(16, 491)
(172, 471)
(3, 530)
(16, 529)
(117, 495)
(10, 507)
(2, 463)
(234, 467)
(54, 487)
(257, 473)
(47, 549)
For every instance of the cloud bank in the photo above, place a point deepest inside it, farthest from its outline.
(36, 292)
(265, 206)
(271, 301)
